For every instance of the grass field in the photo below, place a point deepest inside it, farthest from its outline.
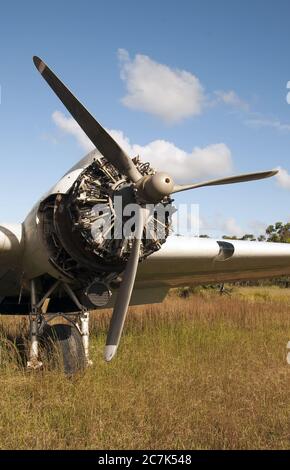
(204, 372)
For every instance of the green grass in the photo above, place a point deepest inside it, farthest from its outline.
(207, 372)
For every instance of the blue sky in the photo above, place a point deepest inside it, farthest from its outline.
(238, 52)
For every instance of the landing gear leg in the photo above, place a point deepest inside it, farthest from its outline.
(35, 321)
(85, 332)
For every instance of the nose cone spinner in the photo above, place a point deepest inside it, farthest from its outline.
(158, 186)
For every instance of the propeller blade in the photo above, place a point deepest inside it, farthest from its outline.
(229, 180)
(106, 145)
(125, 292)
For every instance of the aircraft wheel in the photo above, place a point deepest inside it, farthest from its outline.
(63, 347)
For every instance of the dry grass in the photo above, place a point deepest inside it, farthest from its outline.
(207, 372)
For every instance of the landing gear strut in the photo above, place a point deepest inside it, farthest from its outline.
(35, 321)
(72, 338)
(85, 332)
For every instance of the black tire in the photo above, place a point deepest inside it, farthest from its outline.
(62, 346)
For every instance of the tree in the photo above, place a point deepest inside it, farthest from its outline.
(229, 237)
(248, 236)
(278, 233)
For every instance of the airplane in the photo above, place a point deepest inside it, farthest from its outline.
(59, 264)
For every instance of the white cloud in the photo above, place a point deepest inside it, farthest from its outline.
(257, 227)
(70, 126)
(231, 227)
(272, 123)
(231, 98)
(212, 160)
(283, 178)
(170, 94)
(218, 225)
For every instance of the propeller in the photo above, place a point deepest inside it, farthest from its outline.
(106, 145)
(125, 290)
(150, 189)
(229, 180)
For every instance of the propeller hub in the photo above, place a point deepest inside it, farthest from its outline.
(155, 187)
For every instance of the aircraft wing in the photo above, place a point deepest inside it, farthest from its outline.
(11, 249)
(189, 261)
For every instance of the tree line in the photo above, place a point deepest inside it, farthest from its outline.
(277, 233)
